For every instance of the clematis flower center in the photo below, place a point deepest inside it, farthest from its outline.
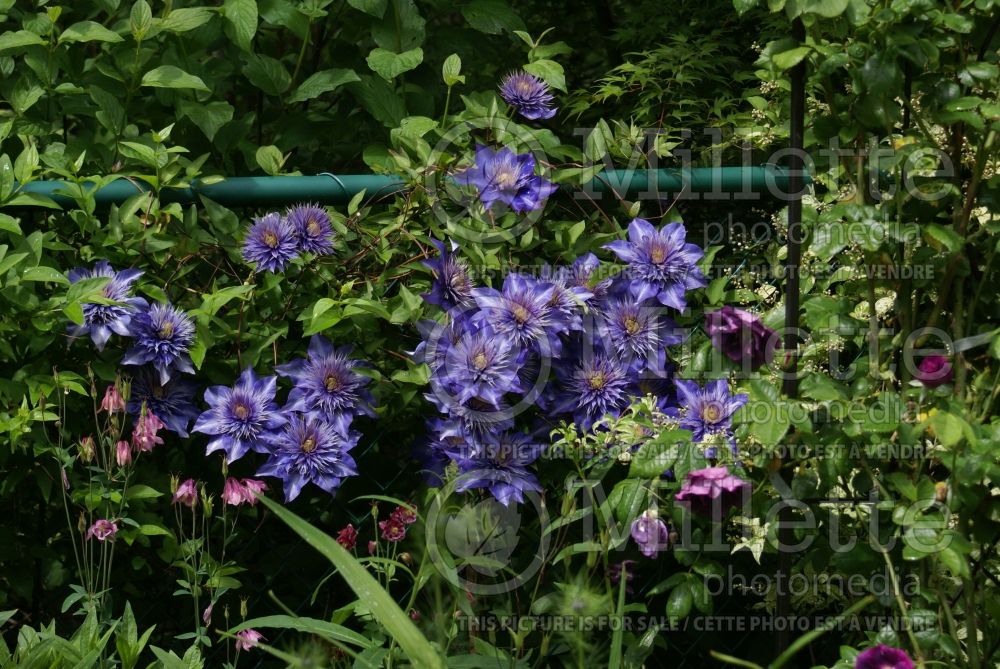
(711, 413)
(520, 314)
(524, 87)
(598, 381)
(166, 330)
(271, 240)
(241, 411)
(658, 254)
(506, 178)
(313, 227)
(480, 361)
(309, 445)
(631, 325)
(331, 382)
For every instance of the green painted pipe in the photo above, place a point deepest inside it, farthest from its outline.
(339, 189)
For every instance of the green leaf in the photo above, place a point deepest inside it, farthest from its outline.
(208, 117)
(142, 492)
(390, 65)
(950, 239)
(548, 71)
(743, 6)
(43, 273)
(329, 631)
(790, 58)
(492, 16)
(378, 602)
(680, 601)
(451, 71)
(374, 7)
(270, 160)
(268, 74)
(168, 76)
(380, 100)
(825, 8)
(19, 39)
(140, 19)
(241, 21)
(401, 29)
(187, 18)
(948, 427)
(323, 81)
(89, 31)
(155, 531)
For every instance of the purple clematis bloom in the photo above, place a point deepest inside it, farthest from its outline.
(883, 657)
(271, 242)
(934, 371)
(741, 336)
(506, 177)
(326, 383)
(163, 336)
(528, 94)
(638, 333)
(311, 450)
(650, 534)
(482, 365)
(660, 263)
(452, 285)
(499, 463)
(703, 487)
(710, 410)
(523, 311)
(596, 386)
(240, 417)
(101, 320)
(312, 228)
(171, 402)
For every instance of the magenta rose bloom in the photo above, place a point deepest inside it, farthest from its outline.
(703, 486)
(741, 336)
(934, 371)
(883, 657)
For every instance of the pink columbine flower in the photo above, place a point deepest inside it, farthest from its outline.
(248, 639)
(252, 489)
(102, 530)
(123, 453)
(186, 494)
(206, 615)
(144, 435)
(113, 401)
(232, 492)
